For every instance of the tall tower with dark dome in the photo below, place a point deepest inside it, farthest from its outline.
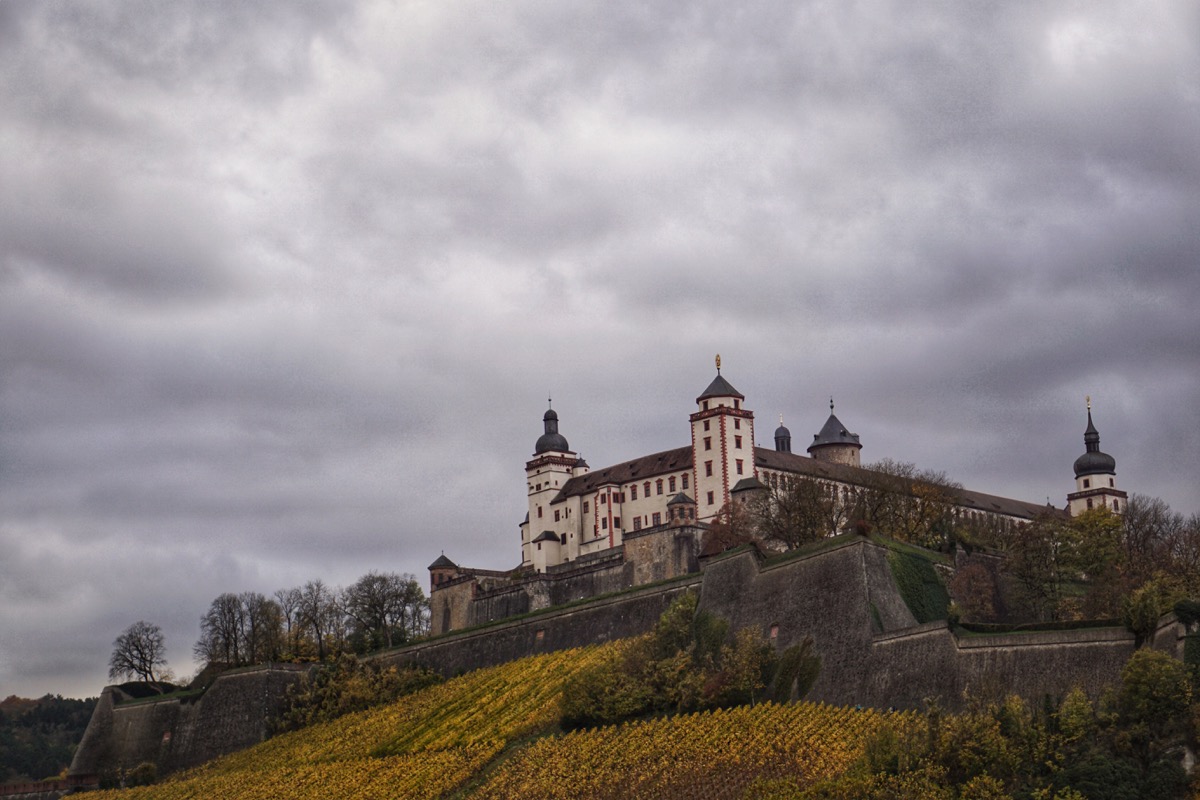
(1095, 476)
(552, 465)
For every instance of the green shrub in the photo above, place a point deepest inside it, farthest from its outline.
(919, 585)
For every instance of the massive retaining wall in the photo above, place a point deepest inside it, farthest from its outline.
(842, 594)
(173, 734)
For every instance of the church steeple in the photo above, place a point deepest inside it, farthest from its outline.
(1095, 475)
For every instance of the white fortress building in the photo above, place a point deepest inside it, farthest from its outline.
(575, 511)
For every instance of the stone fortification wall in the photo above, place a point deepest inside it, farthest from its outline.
(628, 614)
(873, 652)
(174, 734)
(842, 594)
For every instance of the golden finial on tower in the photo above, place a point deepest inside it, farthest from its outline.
(718, 363)
(1088, 398)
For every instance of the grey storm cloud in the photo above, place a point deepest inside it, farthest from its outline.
(284, 288)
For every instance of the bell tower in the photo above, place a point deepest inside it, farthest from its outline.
(1095, 476)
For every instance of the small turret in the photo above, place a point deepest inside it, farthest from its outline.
(835, 443)
(783, 438)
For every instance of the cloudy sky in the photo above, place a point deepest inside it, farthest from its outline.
(284, 287)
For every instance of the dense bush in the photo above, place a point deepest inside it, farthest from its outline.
(688, 663)
(345, 686)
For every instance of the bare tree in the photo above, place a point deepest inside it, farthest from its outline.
(139, 653)
(795, 510)
(240, 629)
(288, 601)
(320, 615)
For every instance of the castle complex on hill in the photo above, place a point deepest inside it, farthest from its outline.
(643, 519)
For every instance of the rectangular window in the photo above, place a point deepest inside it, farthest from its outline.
(1086, 483)
(539, 512)
(705, 424)
(585, 506)
(708, 469)
(685, 481)
(708, 443)
(556, 515)
(671, 484)
(737, 426)
(739, 466)
(710, 498)
(604, 523)
(658, 486)
(737, 442)
(637, 523)
(616, 522)
(633, 492)
(656, 519)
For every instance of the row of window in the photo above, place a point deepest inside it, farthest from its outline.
(737, 442)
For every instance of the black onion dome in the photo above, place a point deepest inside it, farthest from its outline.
(1095, 463)
(551, 439)
(782, 433)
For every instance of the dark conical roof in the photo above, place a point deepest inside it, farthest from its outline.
(833, 432)
(1093, 462)
(680, 498)
(442, 562)
(720, 388)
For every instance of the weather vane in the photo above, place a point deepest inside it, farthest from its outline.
(1088, 398)
(718, 363)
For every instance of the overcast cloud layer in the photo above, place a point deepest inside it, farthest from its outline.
(284, 286)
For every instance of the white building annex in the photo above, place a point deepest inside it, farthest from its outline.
(575, 511)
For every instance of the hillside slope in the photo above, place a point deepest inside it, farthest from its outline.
(466, 738)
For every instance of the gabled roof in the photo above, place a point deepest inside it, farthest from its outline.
(826, 470)
(746, 484)
(645, 467)
(720, 388)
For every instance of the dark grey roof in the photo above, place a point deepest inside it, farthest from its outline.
(746, 484)
(720, 388)
(681, 498)
(551, 440)
(833, 432)
(645, 467)
(546, 536)
(827, 470)
(443, 562)
(1094, 462)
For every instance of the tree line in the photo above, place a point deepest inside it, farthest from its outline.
(1134, 566)
(312, 622)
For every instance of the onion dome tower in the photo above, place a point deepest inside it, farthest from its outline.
(834, 443)
(552, 465)
(1095, 475)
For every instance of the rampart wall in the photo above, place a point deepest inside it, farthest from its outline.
(174, 734)
(842, 595)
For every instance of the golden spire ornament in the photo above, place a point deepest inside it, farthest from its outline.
(718, 363)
